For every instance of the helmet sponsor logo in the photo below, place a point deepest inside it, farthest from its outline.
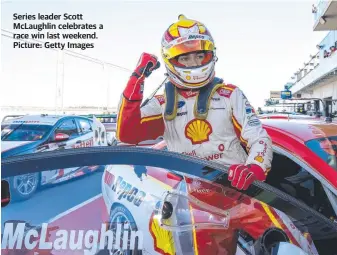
(199, 77)
(181, 39)
(195, 37)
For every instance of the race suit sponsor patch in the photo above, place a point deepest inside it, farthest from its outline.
(160, 99)
(211, 157)
(181, 113)
(224, 92)
(198, 131)
(181, 104)
(254, 122)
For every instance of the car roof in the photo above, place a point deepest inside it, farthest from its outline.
(285, 116)
(36, 119)
(304, 129)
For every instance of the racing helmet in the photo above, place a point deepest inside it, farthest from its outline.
(184, 37)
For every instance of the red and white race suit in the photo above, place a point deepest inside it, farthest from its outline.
(231, 125)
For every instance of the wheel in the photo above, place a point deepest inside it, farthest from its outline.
(23, 187)
(121, 219)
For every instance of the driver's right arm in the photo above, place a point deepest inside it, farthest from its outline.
(135, 124)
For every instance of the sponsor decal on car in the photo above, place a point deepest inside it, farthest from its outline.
(163, 239)
(86, 143)
(26, 121)
(124, 189)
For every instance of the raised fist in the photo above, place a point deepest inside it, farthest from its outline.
(146, 64)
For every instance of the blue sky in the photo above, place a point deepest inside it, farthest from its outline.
(260, 44)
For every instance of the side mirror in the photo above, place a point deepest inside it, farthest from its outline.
(5, 193)
(60, 137)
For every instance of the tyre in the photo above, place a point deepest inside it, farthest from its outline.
(23, 187)
(122, 219)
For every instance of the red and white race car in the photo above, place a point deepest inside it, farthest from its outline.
(181, 214)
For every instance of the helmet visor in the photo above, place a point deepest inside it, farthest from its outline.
(189, 46)
(207, 58)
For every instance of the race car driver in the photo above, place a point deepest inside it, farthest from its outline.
(199, 114)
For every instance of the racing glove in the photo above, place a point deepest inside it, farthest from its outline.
(242, 176)
(134, 89)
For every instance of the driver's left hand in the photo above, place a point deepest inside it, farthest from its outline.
(242, 176)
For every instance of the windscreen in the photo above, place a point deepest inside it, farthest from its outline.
(19, 132)
(326, 149)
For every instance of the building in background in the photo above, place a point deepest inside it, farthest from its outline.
(316, 81)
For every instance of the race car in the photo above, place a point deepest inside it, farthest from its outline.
(194, 216)
(110, 123)
(37, 133)
(282, 115)
(199, 214)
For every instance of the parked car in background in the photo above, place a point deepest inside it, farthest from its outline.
(36, 133)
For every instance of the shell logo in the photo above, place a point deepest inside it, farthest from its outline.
(198, 131)
(162, 238)
(259, 159)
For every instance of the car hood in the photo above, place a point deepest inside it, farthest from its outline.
(10, 148)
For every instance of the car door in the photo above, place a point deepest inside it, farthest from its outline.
(200, 199)
(68, 127)
(86, 134)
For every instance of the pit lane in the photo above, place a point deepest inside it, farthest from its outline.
(51, 202)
